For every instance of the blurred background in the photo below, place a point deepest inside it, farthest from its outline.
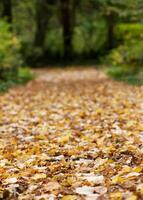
(38, 33)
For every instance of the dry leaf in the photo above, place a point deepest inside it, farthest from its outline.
(71, 131)
(86, 190)
(52, 186)
(10, 180)
(97, 179)
(39, 176)
(70, 197)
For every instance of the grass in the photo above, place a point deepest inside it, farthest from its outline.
(125, 74)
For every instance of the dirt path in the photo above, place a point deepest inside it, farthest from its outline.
(71, 134)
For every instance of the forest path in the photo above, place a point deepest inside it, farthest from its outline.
(71, 134)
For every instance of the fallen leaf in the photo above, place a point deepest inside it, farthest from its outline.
(85, 190)
(92, 197)
(100, 189)
(52, 186)
(39, 176)
(70, 197)
(10, 180)
(97, 179)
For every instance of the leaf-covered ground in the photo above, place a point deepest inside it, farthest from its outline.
(72, 135)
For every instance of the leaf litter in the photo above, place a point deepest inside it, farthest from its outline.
(71, 134)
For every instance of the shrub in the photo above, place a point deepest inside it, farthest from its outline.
(127, 31)
(10, 58)
(11, 70)
(129, 53)
(24, 75)
(126, 60)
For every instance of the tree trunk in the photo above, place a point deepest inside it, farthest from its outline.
(110, 20)
(7, 10)
(41, 23)
(67, 21)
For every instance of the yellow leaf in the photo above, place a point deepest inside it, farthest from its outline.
(69, 197)
(70, 180)
(140, 127)
(39, 176)
(40, 137)
(126, 169)
(64, 138)
(130, 123)
(137, 169)
(53, 186)
(117, 179)
(132, 197)
(111, 148)
(116, 195)
(99, 110)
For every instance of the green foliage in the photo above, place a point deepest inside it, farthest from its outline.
(90, 34)
(121, 73)
(97, 27)
(117, 71)
(126, 60)
(22, 76)
(129, 30)
(9, 48)
(130, 50)
(11, 72)
(130, 54)
(54, 41)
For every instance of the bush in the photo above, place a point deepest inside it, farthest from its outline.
(129, 53)
(126, 60)
(11, 70)
(127, 31)
(22, 76)
(10, 58)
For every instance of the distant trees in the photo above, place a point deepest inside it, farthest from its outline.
(110, 11)
(116, 11)
(87, 27)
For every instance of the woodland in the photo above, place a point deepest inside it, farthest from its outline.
(71, 100)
